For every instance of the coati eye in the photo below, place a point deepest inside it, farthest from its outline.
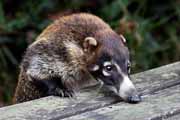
(129, 67)
(108, 67)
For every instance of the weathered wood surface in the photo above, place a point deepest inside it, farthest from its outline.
(174, 117)
(149, 82)
(156, 106)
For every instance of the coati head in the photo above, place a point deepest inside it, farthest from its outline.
(108, 61)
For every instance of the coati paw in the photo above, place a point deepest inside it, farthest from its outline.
(61, 92)
(68, 93)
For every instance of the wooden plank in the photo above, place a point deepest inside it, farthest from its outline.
(158, 78)
(160, 105)
(52, 107)
(175, 117)
(56, 108)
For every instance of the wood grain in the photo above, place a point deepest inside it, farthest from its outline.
(157, 106)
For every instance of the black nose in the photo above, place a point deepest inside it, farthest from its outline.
(134, 99)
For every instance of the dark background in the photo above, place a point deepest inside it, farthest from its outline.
(151, 27)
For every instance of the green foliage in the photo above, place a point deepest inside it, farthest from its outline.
(151, 28)
(155, 27)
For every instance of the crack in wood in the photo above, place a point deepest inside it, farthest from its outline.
(166, 115)
(164, 86)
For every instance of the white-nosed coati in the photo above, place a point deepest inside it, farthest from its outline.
(68, 53)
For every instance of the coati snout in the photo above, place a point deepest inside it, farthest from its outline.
(112, 66)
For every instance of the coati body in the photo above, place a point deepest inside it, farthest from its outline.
(69, 53)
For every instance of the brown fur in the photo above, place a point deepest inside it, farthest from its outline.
(58, 51)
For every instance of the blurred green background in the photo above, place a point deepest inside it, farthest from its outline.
(152, 29)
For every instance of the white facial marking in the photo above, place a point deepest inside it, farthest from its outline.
(125, 86)
(107, 63)
(95, 68)
(105, 73)
(124, 40)
(129, 67)
(118, 68)
(112, 88)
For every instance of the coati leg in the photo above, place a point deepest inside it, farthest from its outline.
(53, 86)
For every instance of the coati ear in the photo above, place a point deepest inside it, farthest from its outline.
(89, 44)
(123, 39)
